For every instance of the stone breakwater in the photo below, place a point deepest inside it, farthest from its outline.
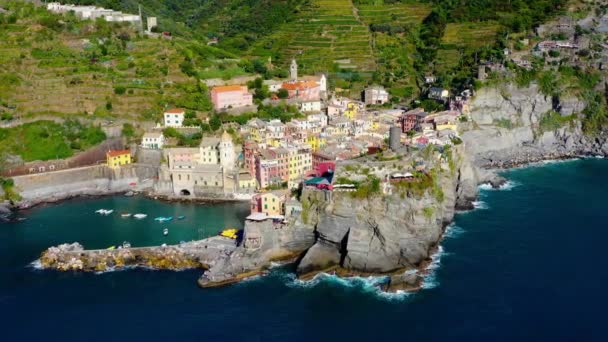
(196, 254)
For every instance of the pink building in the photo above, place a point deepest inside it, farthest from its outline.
(303, 90)
(232, 96)
(267, 169)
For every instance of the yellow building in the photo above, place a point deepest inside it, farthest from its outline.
(446, 125)
(316, 142)
(351, 110)
(117, 158)
(269, 203)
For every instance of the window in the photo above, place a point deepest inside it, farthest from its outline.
(265, 206)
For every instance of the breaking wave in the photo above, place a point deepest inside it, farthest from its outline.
(509, 185)
(452, 231)
(430, 279)
(369, 285)
(480, 205)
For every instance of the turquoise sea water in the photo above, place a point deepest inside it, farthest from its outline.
(528, 264)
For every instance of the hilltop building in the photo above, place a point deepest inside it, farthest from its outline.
(94, 12)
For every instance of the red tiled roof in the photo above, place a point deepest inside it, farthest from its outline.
(299, 85)
(114, 153)
(175, 111)
(222, 89)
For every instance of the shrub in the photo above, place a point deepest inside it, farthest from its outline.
(119, 90)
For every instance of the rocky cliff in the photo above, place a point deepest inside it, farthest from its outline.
(387, 233)
(507, 130)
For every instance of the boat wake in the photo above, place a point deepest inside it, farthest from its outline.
(36, 264)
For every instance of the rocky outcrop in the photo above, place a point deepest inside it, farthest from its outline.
(508, 133)
(263, 242)
(385, 234)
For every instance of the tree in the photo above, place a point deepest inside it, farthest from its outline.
(215, 123)
(128, 130)
(283, 93)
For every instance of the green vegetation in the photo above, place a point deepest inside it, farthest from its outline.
(8, 186)
(551, 121)
(504, 123)
(428, 212)
(368, 188)
(44, 140)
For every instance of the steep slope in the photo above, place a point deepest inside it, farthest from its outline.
(62, 66)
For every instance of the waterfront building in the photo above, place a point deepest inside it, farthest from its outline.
(270, 203)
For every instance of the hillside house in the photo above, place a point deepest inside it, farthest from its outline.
(153, 140)
(310, 106)
(174, 117)
(375, 95)
(439, 94)
(231, 96)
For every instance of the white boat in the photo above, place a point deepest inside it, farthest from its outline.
(125, 215)
(140, 216)
(165, 232)
(108, 212)
(104, 211)
(99, 211)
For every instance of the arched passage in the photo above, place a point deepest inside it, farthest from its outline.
(185, 192)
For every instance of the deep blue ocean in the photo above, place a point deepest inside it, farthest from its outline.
(529, 263)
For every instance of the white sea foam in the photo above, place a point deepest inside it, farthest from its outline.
(430, 279)
(480, 205)
(452, 231)
(365, 284)
(509, 185)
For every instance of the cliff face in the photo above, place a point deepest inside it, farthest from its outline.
(388, 233)
(507, 131)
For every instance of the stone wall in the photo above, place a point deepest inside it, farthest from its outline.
(90, 180)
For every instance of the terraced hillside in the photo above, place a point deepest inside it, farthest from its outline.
(328, 34)
(62, 66)
(463, 37)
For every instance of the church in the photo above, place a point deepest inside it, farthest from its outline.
(210, 169)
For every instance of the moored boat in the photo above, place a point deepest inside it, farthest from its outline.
(140, 216)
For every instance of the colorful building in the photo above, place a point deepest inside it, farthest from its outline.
(269, 203)
(232, 96)
(117, 158)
